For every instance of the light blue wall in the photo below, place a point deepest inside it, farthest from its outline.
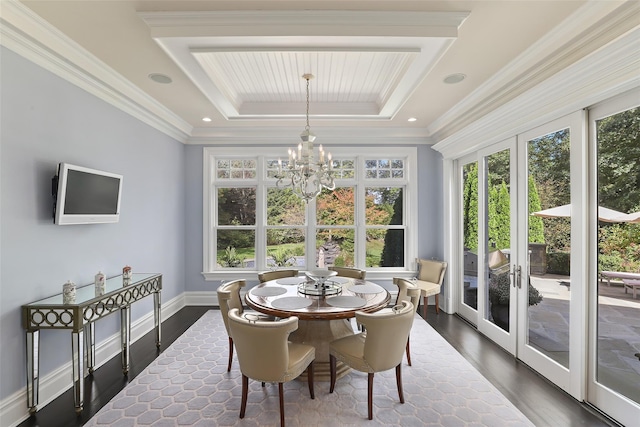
(46, 120)
(430, 222)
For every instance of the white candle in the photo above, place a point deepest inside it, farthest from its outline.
(321, 154)
(289, 155)
(279, 166)
(330, 163)
(300, 150)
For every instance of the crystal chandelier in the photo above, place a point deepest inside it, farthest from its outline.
(303, 174)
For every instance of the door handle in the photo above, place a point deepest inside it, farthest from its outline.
(513, 275)
(519, 275)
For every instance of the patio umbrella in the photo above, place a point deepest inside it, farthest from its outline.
(604, 214)
(632, 217)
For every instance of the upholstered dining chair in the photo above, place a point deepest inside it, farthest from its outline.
(265, 354)
(430, 277)
(354, 273)
(229, 298)
(265, 276)
(407, 291)
(379, 349)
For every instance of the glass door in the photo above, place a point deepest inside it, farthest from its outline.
(467, 295)
(549, 274)
(497, 237)
(527, 229)
(614, 319)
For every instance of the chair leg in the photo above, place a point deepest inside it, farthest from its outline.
(310, 379)
(332, 371)
(425, 301)
(281, 394)
(399, 381)
(437, 303)
(370, 395)
(230, 354)
(408, 353)
(245, 389)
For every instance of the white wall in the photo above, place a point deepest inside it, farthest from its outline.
(46, 120)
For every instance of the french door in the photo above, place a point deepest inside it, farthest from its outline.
(508, 244)
(613, 381)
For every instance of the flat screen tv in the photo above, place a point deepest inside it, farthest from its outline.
(85, 196)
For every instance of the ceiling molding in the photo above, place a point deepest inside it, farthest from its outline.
(587, 30)
(605, 73)
(248, 63)
(28, 35)
(327, 136)
(304, 23)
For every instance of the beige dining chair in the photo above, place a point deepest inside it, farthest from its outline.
(228, 298)
(354, 273)
(430, 277)
(266, 354)
(381, 348)
(407, 291)
(265, 276)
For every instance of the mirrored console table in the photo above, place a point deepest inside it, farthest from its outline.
(80, 317)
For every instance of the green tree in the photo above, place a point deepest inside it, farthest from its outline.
(393, 250)
(470, 206)
(619, 161)
(499, 211)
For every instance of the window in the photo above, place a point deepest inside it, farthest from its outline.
(252, 225)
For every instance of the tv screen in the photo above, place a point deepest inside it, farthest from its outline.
(86, 196)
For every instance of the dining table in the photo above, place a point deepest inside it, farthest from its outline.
(323, 311)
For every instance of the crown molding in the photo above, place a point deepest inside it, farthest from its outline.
(585, 31)
(304, 22)
(326, 135)
(607, 72)
(28, 35)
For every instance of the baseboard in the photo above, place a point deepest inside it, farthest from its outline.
(13, 409)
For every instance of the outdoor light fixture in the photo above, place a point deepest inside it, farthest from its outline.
(302, 173)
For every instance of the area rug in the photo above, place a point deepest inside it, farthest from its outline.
(188, 384)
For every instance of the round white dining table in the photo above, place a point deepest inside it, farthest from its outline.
(322, 318)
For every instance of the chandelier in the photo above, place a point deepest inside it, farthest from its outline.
(302, 173)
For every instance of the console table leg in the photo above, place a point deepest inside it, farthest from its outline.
(77, 349)
(157, 316)
(90, 345)
(125, 332)
(33, 370)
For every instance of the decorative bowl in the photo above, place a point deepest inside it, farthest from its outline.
(319, 276)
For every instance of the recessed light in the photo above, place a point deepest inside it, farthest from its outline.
(160, 78)
(411, 119)
(454, 78)
(206, 119)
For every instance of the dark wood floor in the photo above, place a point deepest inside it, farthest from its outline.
(543, 403)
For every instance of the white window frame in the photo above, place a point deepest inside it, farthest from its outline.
(359, 182)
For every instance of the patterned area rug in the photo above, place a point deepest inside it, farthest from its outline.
(189, 384)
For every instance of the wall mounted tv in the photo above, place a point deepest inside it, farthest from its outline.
(85, 196)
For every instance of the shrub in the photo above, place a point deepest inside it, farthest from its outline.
(500, 286)
(559, 263)
(230, 258)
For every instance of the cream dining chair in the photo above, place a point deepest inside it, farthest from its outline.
(353, 273)
(407, 291)
(430, 277)
(265, 354)
(228, 298)
(265, 276)
(378, 349)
